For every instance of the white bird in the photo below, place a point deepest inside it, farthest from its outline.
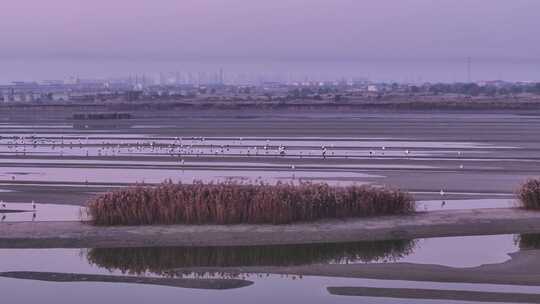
(293, 167)
(442, 192)
(33, 205)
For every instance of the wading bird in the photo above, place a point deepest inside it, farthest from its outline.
(442, 195)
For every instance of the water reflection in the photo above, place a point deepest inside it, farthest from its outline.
(160, 260)
(415, 276)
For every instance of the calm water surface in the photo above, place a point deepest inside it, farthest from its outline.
(459, 252)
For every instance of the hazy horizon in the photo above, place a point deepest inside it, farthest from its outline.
(408, 40)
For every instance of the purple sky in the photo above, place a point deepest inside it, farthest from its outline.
(255, 31)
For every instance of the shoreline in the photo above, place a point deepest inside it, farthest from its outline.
(208, 284)
(521, 269)
(402, 103)
(419, 225)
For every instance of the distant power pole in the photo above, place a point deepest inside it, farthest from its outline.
(469, 70)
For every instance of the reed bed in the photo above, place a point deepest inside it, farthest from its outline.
(528, 241)
(236, 203)
(529, 194)
(160, 260)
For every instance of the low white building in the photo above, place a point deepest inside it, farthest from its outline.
(372, 88)
(60, 96)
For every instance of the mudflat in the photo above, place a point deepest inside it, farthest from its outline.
(218, 284)
(419, 225)
(469, 154)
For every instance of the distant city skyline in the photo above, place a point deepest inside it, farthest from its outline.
(377, 71)
(384, 40)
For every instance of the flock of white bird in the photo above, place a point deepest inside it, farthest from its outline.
(176, 147)
(198, 146)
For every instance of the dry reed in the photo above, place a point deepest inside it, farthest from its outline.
(235, 203)
(529, 194)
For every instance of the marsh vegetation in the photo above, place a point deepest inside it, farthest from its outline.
(235, 203)
(529, 194)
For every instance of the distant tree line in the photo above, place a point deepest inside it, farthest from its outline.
(311, 92)
(474, 89)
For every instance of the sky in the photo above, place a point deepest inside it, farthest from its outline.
(381, 39)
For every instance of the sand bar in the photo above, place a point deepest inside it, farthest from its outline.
(420, 225)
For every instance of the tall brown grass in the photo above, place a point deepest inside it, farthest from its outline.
(234, 203)
(529, 194)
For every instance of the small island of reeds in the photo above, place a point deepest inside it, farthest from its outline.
(238, 203)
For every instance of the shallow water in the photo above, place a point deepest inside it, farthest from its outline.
(136, 175)
(264, 290)
(196, 163)
(131, 144)
(44, 213)
(454, 252)
(461, 252)
(442, 148)
(445, 204)
(57, 156)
